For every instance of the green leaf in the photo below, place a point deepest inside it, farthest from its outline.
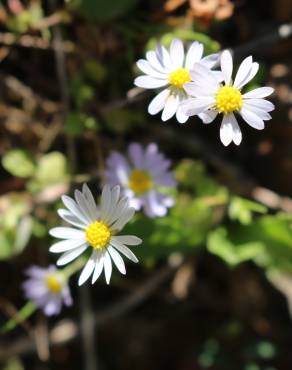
(188, 36)
(232, 254)
(268, 238)
(241, 209)
(51, 169)
(182, 230)
(19, 163)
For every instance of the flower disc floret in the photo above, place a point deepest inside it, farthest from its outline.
(98, 235)
(140, 182)
(179, 77)
(53, 283)
(228, 99)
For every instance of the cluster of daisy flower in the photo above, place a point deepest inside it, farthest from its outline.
(193, 87)
(132, 183)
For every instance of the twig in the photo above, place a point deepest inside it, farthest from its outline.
(28, 41)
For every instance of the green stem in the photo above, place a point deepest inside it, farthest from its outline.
(24, 313)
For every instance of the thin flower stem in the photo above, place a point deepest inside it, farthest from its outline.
(24, 313)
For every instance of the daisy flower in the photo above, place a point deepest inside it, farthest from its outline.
(47, 288)
(212, 98)
(171, 69)
(95, 229)
(141, 175)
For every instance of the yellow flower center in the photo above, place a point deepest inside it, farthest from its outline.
(228, 99)
(179, 77)
(98, 234)
(54, 283)
(140, 182)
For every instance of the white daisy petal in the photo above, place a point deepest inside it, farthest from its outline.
(226, 130)
(67, 245)
(98, 268)
(265, 116)
(90, 201)
(208, 116)
(124, 250)
(196, 90)
(253, 71)
(158, 103)
(243, 71)
(180, 116)
(124, 218)
(148, 82)
(105, 201)
(118, 261)
(146, 68)
(73, 208)
(194, 54)
(177, 53)
(128, 239)
(237, 135)
(261, 104)
(226, 66)
(260, 92)
(87, 269)
(71, 255)
(170, 108)
(164, 57)
(195, 106)
(154, 62)
(107, 263)
(121, 207)
(66, 233)
(211, 60)
(252, 119)
(70, 218)
(115, 195)
(82, 203)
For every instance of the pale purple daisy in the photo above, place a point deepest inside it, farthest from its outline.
(141, 175)
(47, 288)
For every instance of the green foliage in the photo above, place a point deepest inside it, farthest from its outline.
(16, 226)
(103, 10)
(26, 19)
(13, 364)
(188, 36)
(242, 210)
(19, 163)
(267, 241)
(232, 254)
(51, 169)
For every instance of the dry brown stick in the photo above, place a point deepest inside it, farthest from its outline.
(28, 41)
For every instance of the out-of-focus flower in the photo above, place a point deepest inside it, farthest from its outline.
(141, 176)
(204, 10)
(47, 288)
(212, 98)
(95, 229)
(171, 69)
(207, 10)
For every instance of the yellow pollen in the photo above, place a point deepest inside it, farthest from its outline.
(140, 182)
(53, 283)
(179, 77)
(98, 234)
(228, 99)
